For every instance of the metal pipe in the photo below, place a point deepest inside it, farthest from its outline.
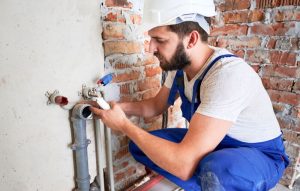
(100, 153)
(109, 158)
(80, 114)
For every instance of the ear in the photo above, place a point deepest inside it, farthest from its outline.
(193, 38)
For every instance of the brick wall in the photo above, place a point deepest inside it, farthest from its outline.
(136, 74)
(266, 34)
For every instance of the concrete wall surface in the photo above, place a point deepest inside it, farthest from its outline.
(44, 45)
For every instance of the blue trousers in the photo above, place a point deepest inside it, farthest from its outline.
(232, 166)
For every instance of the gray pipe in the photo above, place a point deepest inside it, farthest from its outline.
(109, 159)
(80, 114)
(100, 153)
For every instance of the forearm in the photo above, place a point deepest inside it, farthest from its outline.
(145, 108)
(150, 107)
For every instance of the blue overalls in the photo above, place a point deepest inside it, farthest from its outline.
(233, 165)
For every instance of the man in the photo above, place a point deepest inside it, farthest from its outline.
(233, 141)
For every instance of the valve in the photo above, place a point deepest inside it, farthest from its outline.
(105, 79)
(55, 98)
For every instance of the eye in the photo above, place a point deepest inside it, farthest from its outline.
(161, 40)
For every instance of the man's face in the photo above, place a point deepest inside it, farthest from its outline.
(178, 61)
(169, 49)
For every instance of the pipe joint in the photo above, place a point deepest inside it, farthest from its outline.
(83, 180)
(77, 147)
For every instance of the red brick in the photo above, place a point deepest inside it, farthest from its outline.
(280, 71)
(283, 58)
(148, 83)
(146, 46)
(284, 123)
(150, 59)
(256, 68)
(122, 165)
(123, 140)
(296, 112)
(125, 88)
(230, 5)
(262, 29)
(281, 29)
(113, 31)
(240, 53)
(278, 84)
(244, 42)
(236, 17)
(136, 19)
(256, 15)
(212, 41)
(152, 119)
(275, 3)
(152, 71)
(121, 47)
(279, 107)
(284, 97)
(118, 3)
(277, 29)
(296, 87)
(127, 76)
(295, 43)
(296, 126)
(232, 29)
(292, 136)
(114, 17)
(286, 15)
(154, 126)
(123, 152)
(125, 173)
(119, 66)
(258, 56)
(271, 43)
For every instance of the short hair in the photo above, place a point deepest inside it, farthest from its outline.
(185, 28)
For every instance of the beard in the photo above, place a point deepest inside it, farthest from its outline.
(178, 61)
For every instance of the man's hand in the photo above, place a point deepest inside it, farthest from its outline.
(114, 118)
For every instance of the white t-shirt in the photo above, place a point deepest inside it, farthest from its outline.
(233, 91)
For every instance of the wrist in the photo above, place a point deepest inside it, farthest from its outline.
(126, 125)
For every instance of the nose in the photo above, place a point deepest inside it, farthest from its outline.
(152, 47)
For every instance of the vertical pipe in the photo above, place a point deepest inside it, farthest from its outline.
(109, 158)
(79, 115)
(100, 153)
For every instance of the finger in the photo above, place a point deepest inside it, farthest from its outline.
(112, 104)
(96, 111)
(90, 102)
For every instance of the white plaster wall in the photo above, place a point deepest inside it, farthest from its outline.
(44, 45)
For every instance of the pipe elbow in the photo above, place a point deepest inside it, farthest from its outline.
(82, 111)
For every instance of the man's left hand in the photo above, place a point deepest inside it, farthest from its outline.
(114, 118)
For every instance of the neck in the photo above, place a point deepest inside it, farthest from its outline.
(198, 57)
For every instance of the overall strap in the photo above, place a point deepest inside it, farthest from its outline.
(198, 82)
(177, 84)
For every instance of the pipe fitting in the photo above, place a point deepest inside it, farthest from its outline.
(82, 111)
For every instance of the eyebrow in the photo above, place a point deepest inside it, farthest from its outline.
(158, 38)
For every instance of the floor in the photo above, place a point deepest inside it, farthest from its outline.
(162, 184)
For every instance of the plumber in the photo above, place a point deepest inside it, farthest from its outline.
(234, 141)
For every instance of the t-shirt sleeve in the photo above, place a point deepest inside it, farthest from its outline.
(170, 78)
(227, 91)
